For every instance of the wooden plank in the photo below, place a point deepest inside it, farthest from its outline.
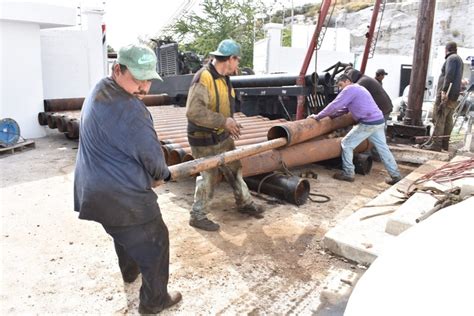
(27, 144)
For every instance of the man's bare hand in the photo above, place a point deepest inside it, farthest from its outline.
(157, 183)
(444, 97)
(232, 127)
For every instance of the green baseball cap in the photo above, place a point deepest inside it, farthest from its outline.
(140, 60)
(227, 47)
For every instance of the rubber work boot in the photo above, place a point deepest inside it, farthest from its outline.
(173, 298)
(341, 176)
(251, 209)
(204, 224)
(392, 181)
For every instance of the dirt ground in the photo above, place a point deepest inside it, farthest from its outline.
(52, 262)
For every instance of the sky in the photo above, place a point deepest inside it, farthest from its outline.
(126, 20)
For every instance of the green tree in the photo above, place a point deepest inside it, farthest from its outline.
(219, 19)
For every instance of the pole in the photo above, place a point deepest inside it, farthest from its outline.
(421, 56)
(370, 35)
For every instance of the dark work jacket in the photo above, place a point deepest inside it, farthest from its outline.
(451, 72)
(375, 89)
(119, 157)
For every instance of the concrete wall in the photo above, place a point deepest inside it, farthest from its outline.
(21, 94)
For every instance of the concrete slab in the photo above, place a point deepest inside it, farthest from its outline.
(420, 203)
(361, 236)
(407, 153)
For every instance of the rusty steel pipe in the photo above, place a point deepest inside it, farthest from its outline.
(185, 143)
(184, 120)
(51, 119)
(189, 168)
(239, 142)
(73, 129)
(182, 133)
(43, 118)
(66, 104)
(176, 156)
(285, 187)
(242, 136)
(61, 123)
(296, 155)
(299, 131)
(166, 124)
(73, 104)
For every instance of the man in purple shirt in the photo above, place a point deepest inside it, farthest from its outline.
(357, 100)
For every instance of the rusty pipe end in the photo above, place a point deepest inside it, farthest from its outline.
(188, 157)
(51, 121)
(73, 129)
(42, 118)
(61, 123)
(176, 156)
(301, 191)
(279, 131)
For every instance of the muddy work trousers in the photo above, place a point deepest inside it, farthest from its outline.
(145, 247)
(207, 180)
(443, 121)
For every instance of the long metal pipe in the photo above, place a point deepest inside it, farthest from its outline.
(176, 154)
(421, 56)
(244, 135)
(182, 132)
(300, 131)
(72, 104)
(189, 168)
(289, 188)
(276, 80)
(296, 155)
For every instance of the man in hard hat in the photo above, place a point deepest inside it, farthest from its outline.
(212, 130)
(118, 162)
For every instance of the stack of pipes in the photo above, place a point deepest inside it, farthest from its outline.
(64, 114)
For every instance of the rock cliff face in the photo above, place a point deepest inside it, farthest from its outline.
(454, 20)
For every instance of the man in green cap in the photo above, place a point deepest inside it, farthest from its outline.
(118, 163)
(212, 130)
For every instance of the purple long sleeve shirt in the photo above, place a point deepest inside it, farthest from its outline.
(357, 100)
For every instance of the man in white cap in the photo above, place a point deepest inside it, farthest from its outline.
(118, 163)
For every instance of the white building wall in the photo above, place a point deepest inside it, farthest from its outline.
(73, 58)
(392, 65)
(21, 94)
(271, 57)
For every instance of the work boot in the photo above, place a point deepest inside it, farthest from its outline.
(173, 298)
(204, 224)
(343, 177)
(251, 209)
(392, 180)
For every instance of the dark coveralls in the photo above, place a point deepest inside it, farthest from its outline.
(451, 73)
(119, 157)
(210, 102)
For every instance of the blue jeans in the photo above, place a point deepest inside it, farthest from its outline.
(376, 135)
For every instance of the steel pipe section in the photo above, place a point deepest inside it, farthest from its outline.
(73, 104)
(289, 188)
(296, 155)
(277, 80)
(299, 131)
